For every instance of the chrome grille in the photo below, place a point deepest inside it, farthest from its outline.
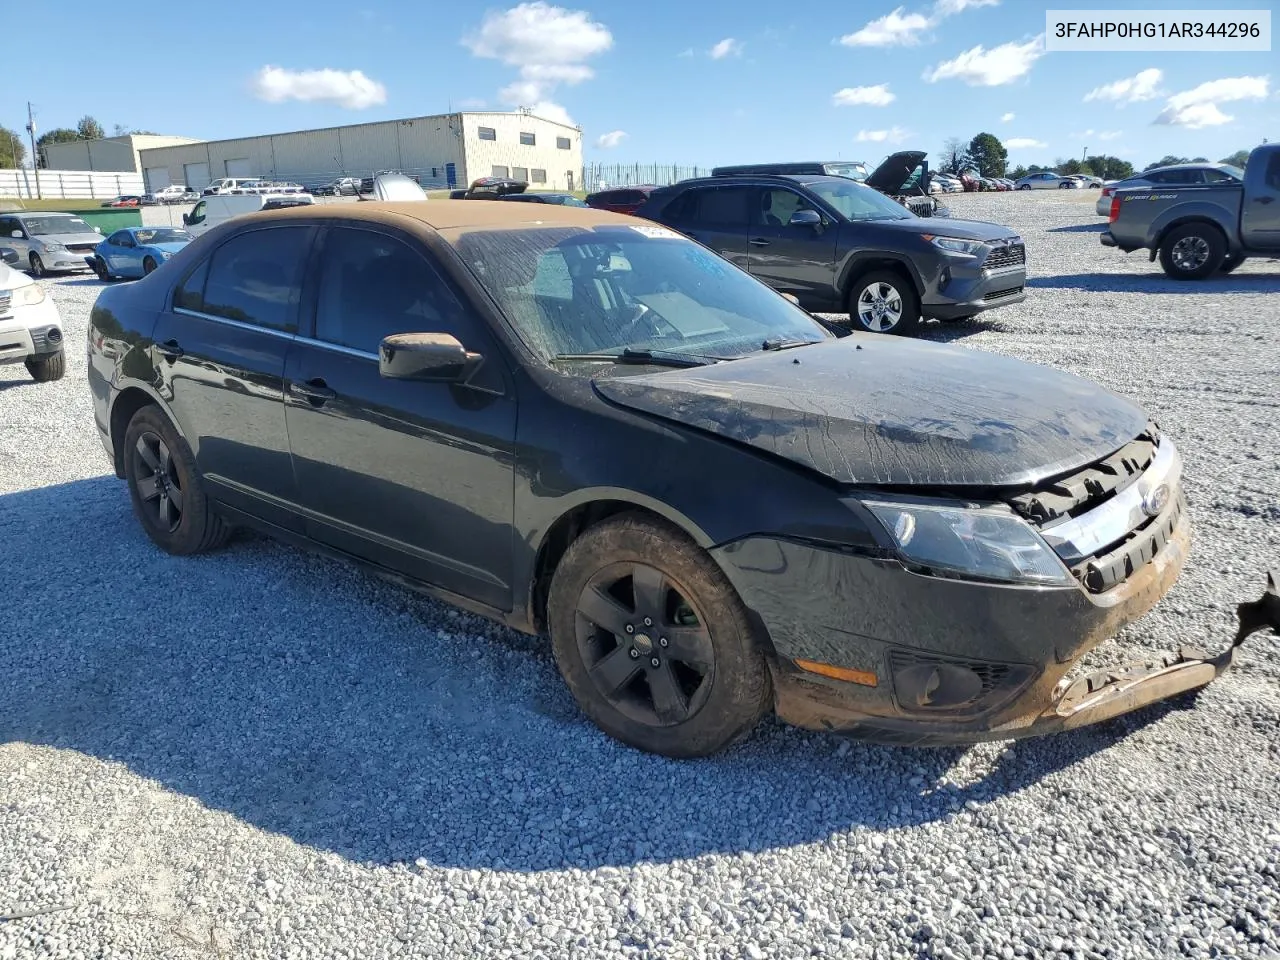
(6, 302)
(1000, 294)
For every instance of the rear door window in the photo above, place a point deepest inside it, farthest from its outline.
(254, 278)
(719, 206)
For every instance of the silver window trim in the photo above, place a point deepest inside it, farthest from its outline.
(1084, 536)
(238, 324)
(338, 348)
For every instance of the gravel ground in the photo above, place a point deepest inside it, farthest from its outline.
(260, 753)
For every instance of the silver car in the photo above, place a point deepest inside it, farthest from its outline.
(1174, 175)
(49, 241)
(1045, 180)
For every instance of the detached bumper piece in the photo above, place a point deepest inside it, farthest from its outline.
(1095, 697)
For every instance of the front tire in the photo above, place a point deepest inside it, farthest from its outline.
(653, 642)
(148, 265)
(1192, 251)
(884, 302)
(100, 268)
(166, 489)
(1025, 186)
(48, 368)
(37, 266)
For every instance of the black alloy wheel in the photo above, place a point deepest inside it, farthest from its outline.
(645, 648)
(158, 483)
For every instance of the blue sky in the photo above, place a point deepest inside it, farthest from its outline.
(664, 81)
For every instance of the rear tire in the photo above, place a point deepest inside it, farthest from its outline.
(47, 368)
(1192, 251)
(883, 301)
(687, 682)
(166, 489)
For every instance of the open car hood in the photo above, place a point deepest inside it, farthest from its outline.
(891, 176)
(871, 409)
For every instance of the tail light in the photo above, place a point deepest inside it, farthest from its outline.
(1108, 191)
(1115, 210)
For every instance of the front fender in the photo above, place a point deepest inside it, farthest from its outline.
(862, 260)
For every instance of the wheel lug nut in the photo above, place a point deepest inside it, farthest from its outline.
(630, 628)
(635, 654)
(662, 641)
(654, 662)
(648, 622)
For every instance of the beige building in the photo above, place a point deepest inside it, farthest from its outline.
(113, 154)
(448, 150)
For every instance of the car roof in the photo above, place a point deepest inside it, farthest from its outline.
(443, 215)
(801, 178)
(1182, 166)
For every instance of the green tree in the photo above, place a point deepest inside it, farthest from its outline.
(1017, 173)
(1237, 159)
(1068, 167)
(12, 149)
(953, 158)
(1167, 160)
(89, 129)
(988, 154)
(1109, 168)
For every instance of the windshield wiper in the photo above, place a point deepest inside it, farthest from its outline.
(785, 343)
(657, 358)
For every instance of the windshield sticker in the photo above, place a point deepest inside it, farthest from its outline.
(661, 233)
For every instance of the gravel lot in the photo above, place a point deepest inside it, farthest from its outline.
(260, 753)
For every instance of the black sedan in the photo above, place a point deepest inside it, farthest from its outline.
(590, 427)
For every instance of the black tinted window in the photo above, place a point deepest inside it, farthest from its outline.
(190, 294)
(719, 205)
(254, 278)
(372, 286)
(1273, 171)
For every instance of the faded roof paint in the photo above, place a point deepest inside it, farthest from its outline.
(445, 215)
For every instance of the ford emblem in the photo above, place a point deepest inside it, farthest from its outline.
(1156, 500)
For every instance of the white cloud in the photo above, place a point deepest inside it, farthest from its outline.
(877, 96)
(893, 29)
(892, 135)
(980, 67)
(1110, 134)
(552, 111)
(1006, 117)
(1023, 143)
(1198, 107)
(1144, 85)
(538, 33)
(548, 43)
(347, 88)
(607, 141)
(728, 47)
(947, 8)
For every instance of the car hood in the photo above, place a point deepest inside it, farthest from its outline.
(72, 239)
(946, 227)
(894, 171)
(11, 279)
(872, 409)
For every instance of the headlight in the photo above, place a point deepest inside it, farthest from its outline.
(27, 296)
(982, 543)
(967, 248)
(52, 245)
(164, 254)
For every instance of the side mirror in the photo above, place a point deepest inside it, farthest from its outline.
(805, 218)
(16, 234)
(437, 357)
(9, 255)
(790, 296)
(97, 229)
(186, 219)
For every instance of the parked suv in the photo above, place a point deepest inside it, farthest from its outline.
(836, 246)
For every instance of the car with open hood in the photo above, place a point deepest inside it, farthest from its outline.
(839, 246)
(589, 427)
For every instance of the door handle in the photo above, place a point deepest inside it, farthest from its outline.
(171, 350)
(1263, 199)
(758, 242)
(315, 392)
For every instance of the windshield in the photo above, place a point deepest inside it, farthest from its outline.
(162, 235)
(50, 226)
(853, 201)
(572, 290)
(1232, 170)
(854, 171)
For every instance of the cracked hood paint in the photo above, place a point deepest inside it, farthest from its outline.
(874, 409)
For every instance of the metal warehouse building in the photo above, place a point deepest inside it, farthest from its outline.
(115, 154)
(448, 150)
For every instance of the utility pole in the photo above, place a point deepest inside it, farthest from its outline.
(35, 157)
